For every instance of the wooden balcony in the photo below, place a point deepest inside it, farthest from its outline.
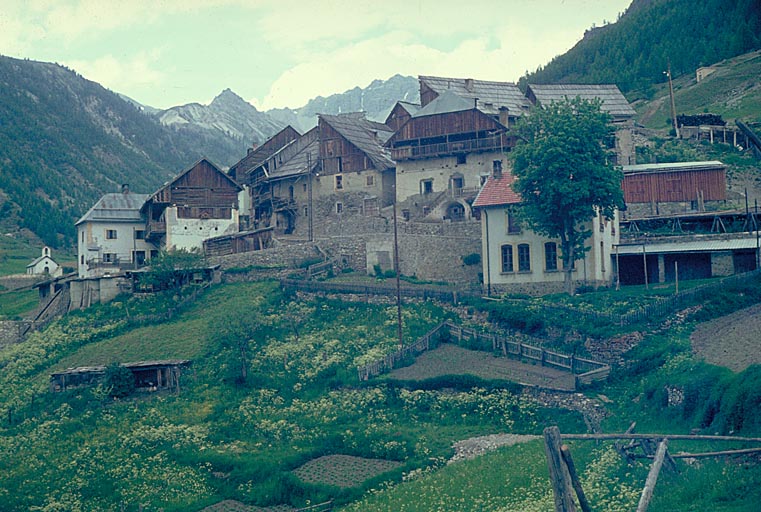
(494, 143)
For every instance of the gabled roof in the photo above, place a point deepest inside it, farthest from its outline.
(411, 108)
(39, 259)
(613, 102)
(445, 103)
(116, 207)
(271, 146)
(674, 167)
(497, 192)
(299, 163)
(189, 169)
(367, 136)
(491, 95)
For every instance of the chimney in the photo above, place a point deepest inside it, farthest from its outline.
(504, 116)
(469, 84)
(125, 188)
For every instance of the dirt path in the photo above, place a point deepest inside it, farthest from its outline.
(450, 359)
(733, 341)
(475, 446)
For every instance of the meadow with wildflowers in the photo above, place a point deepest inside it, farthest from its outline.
(271, 412)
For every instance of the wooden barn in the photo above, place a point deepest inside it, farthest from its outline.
(261, 155)
(200, 203)
(670, 188)
(400, 114)
(244, 241)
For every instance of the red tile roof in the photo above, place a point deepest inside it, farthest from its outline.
(497, 191)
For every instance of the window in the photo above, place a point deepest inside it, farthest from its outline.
(513, 226)
(550, 256)
(602, 257)
(406, 214)
(306, 211)
(426, 210)
(305, 187)
(339, 182)
(370, 180)
(426, 187)
(507, 258)
(524, 258)
(339, 207)
(482, 180)
(82, 259)
(110, 234)
(602, 223)
(290, 193)
(461, 159)
(139, 234)
(109, 257)
(83, 237)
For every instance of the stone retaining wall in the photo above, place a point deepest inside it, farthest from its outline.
(11, 332)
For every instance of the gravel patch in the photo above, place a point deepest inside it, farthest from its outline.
(476, 446)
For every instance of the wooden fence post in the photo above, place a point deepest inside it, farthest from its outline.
(652, 477)
(559, 475)
(566, 453)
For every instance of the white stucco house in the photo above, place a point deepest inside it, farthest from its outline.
(44, 265)
(518, 260)
(111, 236)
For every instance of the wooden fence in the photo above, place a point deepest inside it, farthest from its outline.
(422, 292)
(659, 309)
(585, 370)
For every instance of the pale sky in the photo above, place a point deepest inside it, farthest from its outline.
(277, 53)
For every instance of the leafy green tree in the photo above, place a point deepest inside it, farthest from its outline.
(171, 269)
(564, 173)
(119, 380)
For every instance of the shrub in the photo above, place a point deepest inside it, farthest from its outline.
(119, 380)
(471, 259)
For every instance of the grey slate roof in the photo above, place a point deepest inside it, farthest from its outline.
(298, 163)
(445, 103)
(673, 167)
(116, 207)
(367, 136)
(613, 102)
(491, 95)
(411, 108)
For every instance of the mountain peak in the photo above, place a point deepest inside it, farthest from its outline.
(228, 96)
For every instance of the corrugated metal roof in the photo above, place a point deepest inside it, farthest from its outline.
(497, 192)
(673, 167)
(697, 245)
(491, 95)
(613, 102)
(116, 207)
(445, 103)
(367, 136)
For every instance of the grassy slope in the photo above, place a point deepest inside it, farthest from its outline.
(732, 91)
(217, 440)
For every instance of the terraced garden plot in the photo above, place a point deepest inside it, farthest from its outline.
(450, 359)
(343, 470)
(733, 340)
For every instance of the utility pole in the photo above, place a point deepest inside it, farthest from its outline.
(309, 184)
(398, 285)
(673, 105)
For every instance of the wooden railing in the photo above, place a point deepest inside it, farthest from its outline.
(585, 370)
(446, 148)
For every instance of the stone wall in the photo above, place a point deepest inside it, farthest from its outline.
(722, 264)
(18, 281)
(11, 332)
(431, 251)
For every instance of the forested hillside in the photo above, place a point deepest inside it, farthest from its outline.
(635, 51)
(64, 141)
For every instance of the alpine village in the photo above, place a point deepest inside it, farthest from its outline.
(432, 294)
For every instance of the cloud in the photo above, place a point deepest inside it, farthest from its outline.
(119, 74)
(503, 55)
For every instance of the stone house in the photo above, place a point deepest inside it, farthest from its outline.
(517, 259)
(613, 102)
(44, 265)
(111, 236)
(445, 150)
(338, 168)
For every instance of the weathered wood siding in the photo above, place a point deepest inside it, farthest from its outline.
(663, 187)
(448, 124)
(397, 117)
(338, 155)
(202, 186)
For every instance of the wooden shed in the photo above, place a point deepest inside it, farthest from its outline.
(681, 182)
(149, 375)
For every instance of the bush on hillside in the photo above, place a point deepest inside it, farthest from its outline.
(120, 380)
